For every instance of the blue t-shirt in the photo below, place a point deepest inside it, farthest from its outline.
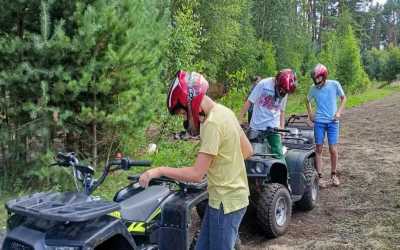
(267, 107)
(326, 100)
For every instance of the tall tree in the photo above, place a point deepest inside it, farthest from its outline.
(221, 28)
(391, 16)
(185, 39)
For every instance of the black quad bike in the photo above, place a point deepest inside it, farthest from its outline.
(275, 185)
(158, 217)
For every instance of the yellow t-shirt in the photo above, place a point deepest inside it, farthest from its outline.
(227, 178)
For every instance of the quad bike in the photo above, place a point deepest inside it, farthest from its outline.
(275, 185)
(158, 217)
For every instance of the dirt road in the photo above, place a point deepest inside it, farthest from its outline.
(364, 212)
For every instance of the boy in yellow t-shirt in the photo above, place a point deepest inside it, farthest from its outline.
(223, 148)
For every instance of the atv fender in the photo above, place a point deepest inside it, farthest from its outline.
(274, 170)
(295, 160)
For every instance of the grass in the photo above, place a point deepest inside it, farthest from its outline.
(3, 212)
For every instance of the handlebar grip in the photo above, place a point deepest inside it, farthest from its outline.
(114, 162)
(62, 156)
(144, 163)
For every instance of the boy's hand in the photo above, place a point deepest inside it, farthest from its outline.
(311, 117)
(337, 116)
(146, 177)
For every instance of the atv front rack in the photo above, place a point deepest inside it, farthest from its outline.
(298, 146)
(70, 206)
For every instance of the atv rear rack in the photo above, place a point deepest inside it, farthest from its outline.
(71, 206)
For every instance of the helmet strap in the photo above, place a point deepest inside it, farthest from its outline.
(319, 85)
(191, 126)
(277, 95)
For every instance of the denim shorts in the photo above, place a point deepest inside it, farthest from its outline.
(331, 129)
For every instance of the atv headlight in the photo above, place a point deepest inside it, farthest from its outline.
(259, 167)
(62, 248)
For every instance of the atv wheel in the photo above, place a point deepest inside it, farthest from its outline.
(311, 192)
(237, 246)
(274, 209)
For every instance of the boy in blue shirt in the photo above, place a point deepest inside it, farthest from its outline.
(326, 117)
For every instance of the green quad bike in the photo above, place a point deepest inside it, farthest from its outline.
(275, 185)
(158, 217)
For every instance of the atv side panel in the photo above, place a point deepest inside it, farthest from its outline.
(176, 218)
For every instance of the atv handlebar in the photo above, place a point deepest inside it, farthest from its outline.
(185, 186)
(84, 173)
(66, 159)
(297, 119)
(270, 130)
(126, 163)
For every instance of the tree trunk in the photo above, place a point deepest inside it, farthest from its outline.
(94, 148)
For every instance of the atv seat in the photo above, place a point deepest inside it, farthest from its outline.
(140, 206)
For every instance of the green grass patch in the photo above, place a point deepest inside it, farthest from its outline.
(370, 95)
(3, 213)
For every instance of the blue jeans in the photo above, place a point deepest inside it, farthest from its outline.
(331, 129)
(218, 230)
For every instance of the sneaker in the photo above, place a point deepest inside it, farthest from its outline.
(322, 183)
(335, 180)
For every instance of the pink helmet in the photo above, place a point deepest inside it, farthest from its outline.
(286, 81)
(186, 92)
(319, 71)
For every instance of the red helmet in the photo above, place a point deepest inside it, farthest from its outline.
(319, 71)
(286, 81)
(186, 92)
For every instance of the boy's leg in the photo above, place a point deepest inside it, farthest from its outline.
(223, 228)
(274, 140)
(319, 136)
(203, 240)
(333, 136)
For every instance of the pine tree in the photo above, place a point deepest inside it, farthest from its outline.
(350, 72)
(89, 70)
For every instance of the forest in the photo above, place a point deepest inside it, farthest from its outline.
(90, 76)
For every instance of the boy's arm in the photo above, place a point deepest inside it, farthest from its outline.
(245, 145)
(282, 119)
(244, 109)
(309, 110)
(194, 173)
(343, 100)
